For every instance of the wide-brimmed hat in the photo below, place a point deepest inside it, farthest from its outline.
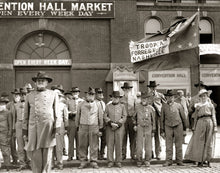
(180, 91)
(202, 91)
(98, 90)
(4, 99)
(75, 89)
(153, 84)
(58, 87)
(90, 91)
(170, 93)
(67, 92)
(29, 87)
(4, 94)
(145, 95)
(23, 90)
(16, 91)
(42, 75)
(127, 85)
(116, 94)
(201, 83)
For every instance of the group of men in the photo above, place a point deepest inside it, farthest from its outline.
(37, 119)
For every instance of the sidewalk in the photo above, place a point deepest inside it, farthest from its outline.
(130, 162)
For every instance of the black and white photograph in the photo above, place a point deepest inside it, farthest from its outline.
(109, 86)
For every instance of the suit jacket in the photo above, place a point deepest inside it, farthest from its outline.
(172, 115)
(41, 118)
(144, 116)
(157, 101)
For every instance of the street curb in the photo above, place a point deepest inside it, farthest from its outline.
(127, 162)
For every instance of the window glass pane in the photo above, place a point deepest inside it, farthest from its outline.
(152, 26)
(205, 27)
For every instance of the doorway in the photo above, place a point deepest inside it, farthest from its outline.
(59, 75)
(215, 96)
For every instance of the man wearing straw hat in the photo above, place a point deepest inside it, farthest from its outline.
(41, 123)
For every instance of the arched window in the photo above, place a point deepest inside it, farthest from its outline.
(206, 33)
(152, 26)
(43, 45)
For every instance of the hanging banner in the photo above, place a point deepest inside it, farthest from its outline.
(59, 9)
(147, 50)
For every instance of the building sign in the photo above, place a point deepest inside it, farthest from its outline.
(42, 62)
(209, 49)
(147, 50)
(59, 9)
(125, 75)
(170, 77)
(210, 76)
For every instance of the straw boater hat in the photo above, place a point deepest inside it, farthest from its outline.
(90, 91)
(29, 87)
(58, 87)
(170, 93)
(67, 92)
(202, 91)
(153, 84)
(16, 91)
(42, 75)
(75, 89)
(127, 85)
(201, 83)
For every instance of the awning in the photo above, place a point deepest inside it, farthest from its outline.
(209, 53)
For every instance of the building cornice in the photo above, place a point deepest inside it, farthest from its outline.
(145, 6)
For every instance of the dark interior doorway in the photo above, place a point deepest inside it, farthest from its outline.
(215, 96)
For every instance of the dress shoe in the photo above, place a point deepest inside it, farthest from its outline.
(139, 164)
(147, 164)
(180, 164)
(167, 164)
(118, 165)
(95, 165)
(60, 167)
(69, 159)
(110, 164)
(82, 165)
(200, 164)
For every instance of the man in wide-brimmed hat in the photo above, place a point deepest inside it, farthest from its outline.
(11, 106)
(144, 120)
(6, 131)
(157, 99)
(63, 114)
(115, 117)
(173, 123)
(129, 101)
(41, 122)
(89, 120)
(99, 99)
(72, 105)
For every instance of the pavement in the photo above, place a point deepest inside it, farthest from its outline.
(129, 165)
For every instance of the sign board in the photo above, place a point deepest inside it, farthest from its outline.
(170, 77)
(125, 75)
(57, 9)
(147, 50)
(210, 76)
(42, 62)
(209, 49)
